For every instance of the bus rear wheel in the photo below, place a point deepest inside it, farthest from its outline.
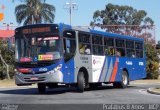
(41, 88)
(81, 82)
(124, 81)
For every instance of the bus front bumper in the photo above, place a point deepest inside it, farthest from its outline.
(28, 79)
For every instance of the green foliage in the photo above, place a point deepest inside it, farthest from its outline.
(7, 55)
(120, 15)
(34, 11)
(152, 62)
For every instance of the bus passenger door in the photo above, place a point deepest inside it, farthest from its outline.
(69, 44)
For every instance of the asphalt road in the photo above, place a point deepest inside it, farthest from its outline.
(134, 94)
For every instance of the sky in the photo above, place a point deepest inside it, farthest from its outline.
(84, 14)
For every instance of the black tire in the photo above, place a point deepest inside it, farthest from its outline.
(41, 88)
(81, 82)
(124, 81)
(52, 85)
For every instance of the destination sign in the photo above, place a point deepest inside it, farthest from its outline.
(45, 57)
(36, 30)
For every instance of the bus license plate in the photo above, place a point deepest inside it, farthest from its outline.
(34, 78)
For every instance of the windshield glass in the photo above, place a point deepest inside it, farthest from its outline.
(37, 48)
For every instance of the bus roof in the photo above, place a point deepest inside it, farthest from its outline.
(62, 26)
(114, 35)
(35, 25)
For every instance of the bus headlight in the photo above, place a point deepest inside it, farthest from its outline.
(56, 69)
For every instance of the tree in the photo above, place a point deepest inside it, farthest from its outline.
(34, 11)
(152, 62)
(6, 60)
(120, 15)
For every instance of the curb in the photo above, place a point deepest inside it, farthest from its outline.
(145, 83)
(150, 90)
(14, 86)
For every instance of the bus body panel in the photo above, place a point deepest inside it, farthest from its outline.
(134, 67)
(69, 71)
(109, 69)
(52, 73)
(103, 69)
(83, 61)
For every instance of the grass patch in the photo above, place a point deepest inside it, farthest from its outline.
(148, 81)
(7, 83)
(156, 90)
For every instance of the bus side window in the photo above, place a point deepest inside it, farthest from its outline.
(84, 49)
(118, 53)
(81, 48)
(106, 51)
(111, 51)
(87, 49)
(84, 43)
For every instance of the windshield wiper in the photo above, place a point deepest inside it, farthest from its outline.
(26, 41)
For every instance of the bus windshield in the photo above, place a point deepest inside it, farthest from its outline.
(37, 48)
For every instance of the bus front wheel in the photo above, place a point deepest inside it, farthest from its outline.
(81, 82)
(124, 81)
(41, 88)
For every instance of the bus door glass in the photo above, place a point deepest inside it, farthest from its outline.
(69, 44)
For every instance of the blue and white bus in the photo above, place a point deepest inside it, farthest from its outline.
(53, 54)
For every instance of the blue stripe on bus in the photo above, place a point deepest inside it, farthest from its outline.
(102, 70)
(109, 72)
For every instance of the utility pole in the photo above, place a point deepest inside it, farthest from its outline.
(71, 6)
(70, 12)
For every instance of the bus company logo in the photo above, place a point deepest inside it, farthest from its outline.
(94, 61)
(43, 69)
(129, 63)
(141, 63)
